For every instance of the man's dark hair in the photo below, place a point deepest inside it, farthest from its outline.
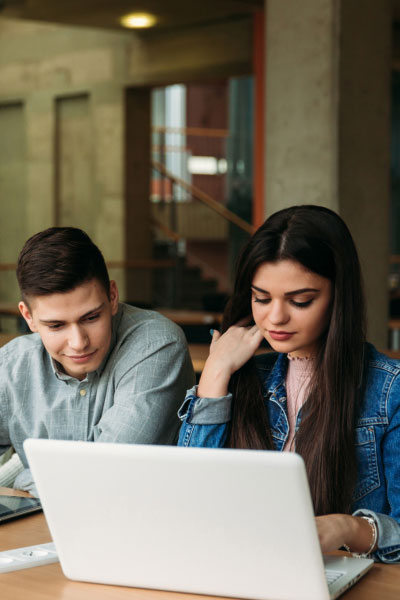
(57, 260)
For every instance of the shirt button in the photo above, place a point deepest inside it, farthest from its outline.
(82, 392)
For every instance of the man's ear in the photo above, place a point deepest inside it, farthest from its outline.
(26, 313)
(114, 297)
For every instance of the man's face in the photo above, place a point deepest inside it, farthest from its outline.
(75, 326)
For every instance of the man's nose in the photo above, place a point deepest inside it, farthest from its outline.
(78, 338)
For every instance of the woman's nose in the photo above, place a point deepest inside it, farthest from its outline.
(278, 313)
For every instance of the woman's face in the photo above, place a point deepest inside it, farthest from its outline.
(291, 306)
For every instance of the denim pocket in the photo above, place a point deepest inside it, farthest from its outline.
(367, 464)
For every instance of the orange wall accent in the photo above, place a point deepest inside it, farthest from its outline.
(259, 117)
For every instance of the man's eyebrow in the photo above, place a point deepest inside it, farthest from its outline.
(91, 311)
(292, 293)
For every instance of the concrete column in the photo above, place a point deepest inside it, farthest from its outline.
(327, 124)
(364, 147)
(108, 207)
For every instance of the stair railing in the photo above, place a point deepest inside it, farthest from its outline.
(204, 198)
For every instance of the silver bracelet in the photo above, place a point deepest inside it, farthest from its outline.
(374, 528)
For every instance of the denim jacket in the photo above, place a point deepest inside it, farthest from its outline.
(377, 490)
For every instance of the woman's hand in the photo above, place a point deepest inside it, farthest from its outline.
(337, 530)
(228, 352)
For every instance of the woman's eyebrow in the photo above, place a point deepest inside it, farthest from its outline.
(292, 293)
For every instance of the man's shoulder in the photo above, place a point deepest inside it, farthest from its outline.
(22, 355)
(136, 321)
(142, 334)
(20, 346)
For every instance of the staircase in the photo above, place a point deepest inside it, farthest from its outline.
(184, 286)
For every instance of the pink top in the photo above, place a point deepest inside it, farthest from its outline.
(297, 379)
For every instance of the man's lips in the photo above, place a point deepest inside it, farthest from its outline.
(280, 336)
(81, 358)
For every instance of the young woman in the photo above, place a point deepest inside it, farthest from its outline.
(325, 392)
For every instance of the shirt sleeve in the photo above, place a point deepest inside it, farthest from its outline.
(148, 394)
(388, 550)
(5, 441)
(24, 481)
(204, 420)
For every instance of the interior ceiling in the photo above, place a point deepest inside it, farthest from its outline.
(396, 10)
(170, 14)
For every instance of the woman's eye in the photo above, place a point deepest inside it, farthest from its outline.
(262, 300)
(301, 304)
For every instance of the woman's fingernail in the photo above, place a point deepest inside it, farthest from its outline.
(211, 332)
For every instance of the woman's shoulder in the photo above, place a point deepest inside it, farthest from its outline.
(382, 386)
(382, 362)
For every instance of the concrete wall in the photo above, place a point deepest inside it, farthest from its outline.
(13, 185)
(62, 119)
(64, 79)
(328, 127)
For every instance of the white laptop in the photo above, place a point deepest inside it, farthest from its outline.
(235, 523)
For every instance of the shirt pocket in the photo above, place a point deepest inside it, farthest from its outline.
(367, 464)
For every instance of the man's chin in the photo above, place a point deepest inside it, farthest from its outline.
(79, 371)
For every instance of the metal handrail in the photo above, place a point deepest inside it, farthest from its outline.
(206, 199)
(197, 131)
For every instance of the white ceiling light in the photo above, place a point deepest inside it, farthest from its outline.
(138, 20)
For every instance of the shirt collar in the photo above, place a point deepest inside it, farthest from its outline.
(115, 322)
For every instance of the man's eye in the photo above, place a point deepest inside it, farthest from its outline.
(93, 317)
(55, 327)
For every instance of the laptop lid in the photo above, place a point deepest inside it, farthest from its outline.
(220, 522)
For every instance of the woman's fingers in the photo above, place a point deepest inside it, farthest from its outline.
(215, 337)
(245, 322)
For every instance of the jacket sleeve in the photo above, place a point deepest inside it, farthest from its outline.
(204, 420)
(388, 550)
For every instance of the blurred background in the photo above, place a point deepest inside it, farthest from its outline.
(170, 142)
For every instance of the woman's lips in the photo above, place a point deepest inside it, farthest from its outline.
(280, 336)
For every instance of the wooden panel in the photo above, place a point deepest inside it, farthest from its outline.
(137, 191)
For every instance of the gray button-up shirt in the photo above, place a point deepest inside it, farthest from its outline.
(133, 397)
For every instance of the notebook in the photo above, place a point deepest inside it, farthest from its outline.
(235, 523)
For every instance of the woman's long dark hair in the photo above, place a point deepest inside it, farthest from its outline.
(318, 239)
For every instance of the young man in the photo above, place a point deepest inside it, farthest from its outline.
(95, 369)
